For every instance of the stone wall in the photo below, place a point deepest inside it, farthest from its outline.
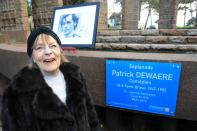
(42, 11)
(170, 40)
(14, 19)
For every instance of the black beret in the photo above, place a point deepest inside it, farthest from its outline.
(33, 35)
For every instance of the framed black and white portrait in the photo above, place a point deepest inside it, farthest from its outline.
(76, 25)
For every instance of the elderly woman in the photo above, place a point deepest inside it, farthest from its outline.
(50, 94)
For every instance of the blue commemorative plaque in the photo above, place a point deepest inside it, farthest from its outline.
(143, 86)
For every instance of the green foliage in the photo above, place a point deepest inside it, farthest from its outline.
(117, 1)
(29, 8)
(186, 1)
(152, 4)
(191, 22)
(183, 8)
(71, 2)
(116, 17)
(185, 27)
(77, 1)
(118, 27)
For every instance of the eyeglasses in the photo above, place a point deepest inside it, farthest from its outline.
(43, 47)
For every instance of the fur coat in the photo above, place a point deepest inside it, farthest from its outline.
(30, 105)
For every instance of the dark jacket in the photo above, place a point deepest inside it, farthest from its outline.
(30, 105)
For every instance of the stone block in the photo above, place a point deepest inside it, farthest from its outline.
(192, 32)
(187, 47)
(4, 38)
(156, 39)
(108, 33)
(130, 32)
(150, 32)
(132, 39)
(138, 46)
(192, 39)
(177, 39)
(119, 46)
(98, 46)
(106, 46)
(16, 35)
(163, 47)
(103, 39)
(172, 32)
(103, 46)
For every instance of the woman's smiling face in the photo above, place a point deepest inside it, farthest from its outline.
(47, 54)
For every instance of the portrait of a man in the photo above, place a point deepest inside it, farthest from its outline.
(67, 26)
(76, 25)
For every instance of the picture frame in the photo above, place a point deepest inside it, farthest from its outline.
(76, 25)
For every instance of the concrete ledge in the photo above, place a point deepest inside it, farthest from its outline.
(92, 63)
